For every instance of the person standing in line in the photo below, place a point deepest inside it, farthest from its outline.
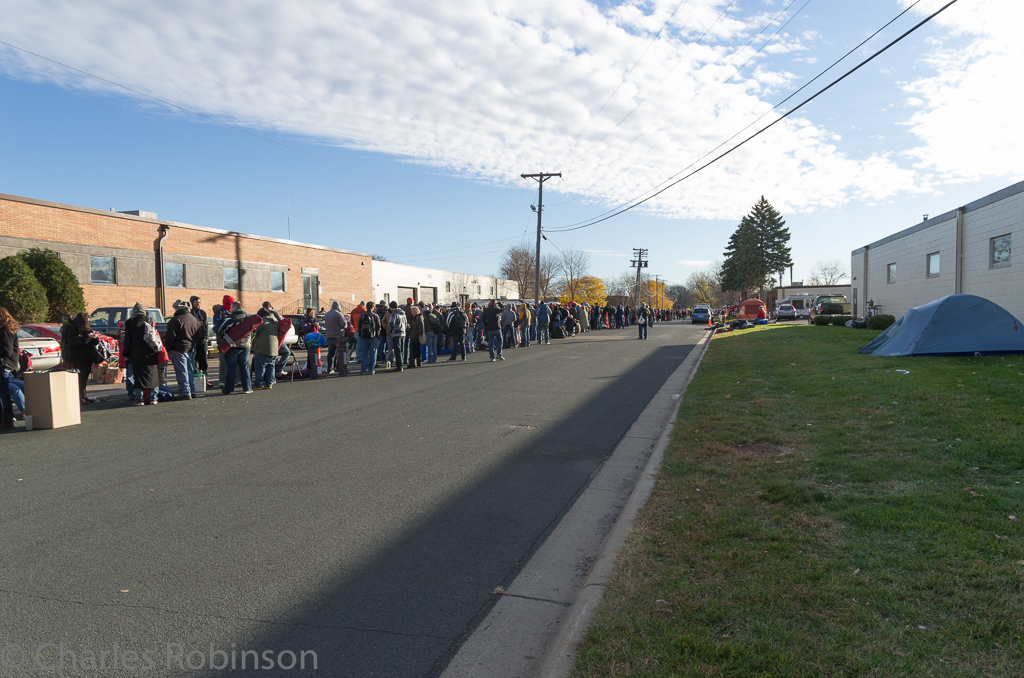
(265, 341)
(397, 325)
(335, 325)
(83, 351)
(237, 357)
(309, 325)
(508, 321)
(182, 330)
(491, 320)
(543, 323)
(200, 349)
(458, 321)
(143, 346)
(367, 337)
(525, 322)
(10, 363)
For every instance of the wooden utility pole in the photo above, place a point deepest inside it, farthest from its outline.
(541, 178)
(639, 263)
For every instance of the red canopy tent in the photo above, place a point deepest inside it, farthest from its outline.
(751, 310)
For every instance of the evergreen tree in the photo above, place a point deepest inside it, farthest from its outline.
(20, 292)
(63, 293)
(757, 250)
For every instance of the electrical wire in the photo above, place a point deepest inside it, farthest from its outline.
(617, 212)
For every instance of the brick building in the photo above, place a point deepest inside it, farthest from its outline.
(123, 258)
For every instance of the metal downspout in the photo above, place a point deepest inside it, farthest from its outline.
(958, 284)
(161, 270)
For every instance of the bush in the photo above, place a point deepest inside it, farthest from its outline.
(840, 319)
(822, 319)
(63, 293)
(880, 322)
(20, 292)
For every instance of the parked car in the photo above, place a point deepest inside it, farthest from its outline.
(785, 312)
(701, 314)
(107, 319)
(45, 351)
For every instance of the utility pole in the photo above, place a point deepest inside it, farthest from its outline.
(541, 178)
(657, 292)
(639, 263)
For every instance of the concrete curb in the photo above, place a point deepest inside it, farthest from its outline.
(561, 655)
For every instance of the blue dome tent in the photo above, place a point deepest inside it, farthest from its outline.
(952, 325)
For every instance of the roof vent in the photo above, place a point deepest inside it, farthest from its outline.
(139, 213)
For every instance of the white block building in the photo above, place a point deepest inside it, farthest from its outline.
(967, 250)
(398, 282)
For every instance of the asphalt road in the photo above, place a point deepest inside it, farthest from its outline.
(366, 519)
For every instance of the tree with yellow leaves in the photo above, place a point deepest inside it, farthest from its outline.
(585, 290)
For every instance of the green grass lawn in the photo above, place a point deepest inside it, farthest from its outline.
(820, 512)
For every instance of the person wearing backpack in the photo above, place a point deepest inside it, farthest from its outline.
(366, 341)
(432, 325)
(458, 321)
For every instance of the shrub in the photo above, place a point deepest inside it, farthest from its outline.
(20, 292)
(63, 293)
(880, 322)
(822, 319)
(840, 319)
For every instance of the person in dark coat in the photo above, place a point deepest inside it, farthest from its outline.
(9, 364)
(142, 345)
(82, 351)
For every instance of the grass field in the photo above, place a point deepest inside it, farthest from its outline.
(821, 512)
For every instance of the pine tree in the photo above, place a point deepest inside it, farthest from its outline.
(757, 250)
(63, 292)
(20, 292)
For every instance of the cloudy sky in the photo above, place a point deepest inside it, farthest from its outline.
(402, 128)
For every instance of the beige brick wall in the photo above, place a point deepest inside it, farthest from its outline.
(999, 214)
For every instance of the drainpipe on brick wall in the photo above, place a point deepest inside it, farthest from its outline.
(160, 273)
(958, 274)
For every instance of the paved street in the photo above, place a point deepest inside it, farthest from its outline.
(368, 519)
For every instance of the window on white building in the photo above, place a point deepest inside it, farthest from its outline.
(933, 265)
(999, 251)
(890, 273)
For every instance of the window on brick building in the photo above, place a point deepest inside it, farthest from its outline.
(231, 279)
(103, 271)
(890, 273)
(277, 281)
(174, 275)
(933, 265)
(999, 251)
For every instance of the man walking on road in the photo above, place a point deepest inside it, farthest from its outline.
(457, 322)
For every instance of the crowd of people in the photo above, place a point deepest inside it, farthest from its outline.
(377, 336)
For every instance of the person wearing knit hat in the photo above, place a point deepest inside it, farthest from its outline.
(219, 316)
(179, 339)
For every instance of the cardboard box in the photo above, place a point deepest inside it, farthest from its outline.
(52, 399)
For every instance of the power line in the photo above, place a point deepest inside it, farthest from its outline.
(617, 212)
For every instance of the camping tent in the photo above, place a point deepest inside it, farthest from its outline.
(748, 310)
(954, 324)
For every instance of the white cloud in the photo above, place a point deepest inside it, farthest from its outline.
(491, 89)
(968, 117)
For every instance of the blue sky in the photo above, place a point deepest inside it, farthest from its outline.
(402, 128)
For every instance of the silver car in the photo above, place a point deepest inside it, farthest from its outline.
(45, 352)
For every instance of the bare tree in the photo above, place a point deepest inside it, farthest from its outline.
(830, 272)
(517, 265)
(621, 285)
(378, 257)
(549, 266)
(575, 265)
